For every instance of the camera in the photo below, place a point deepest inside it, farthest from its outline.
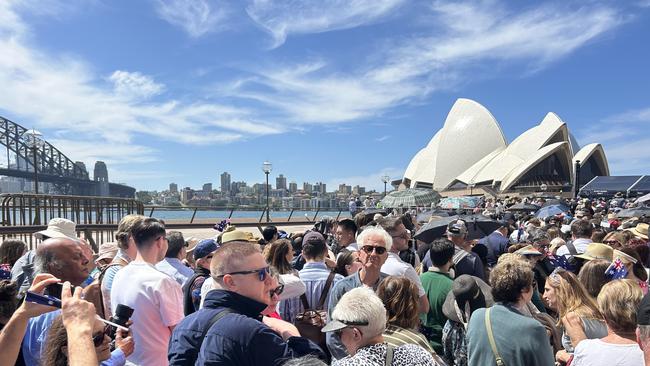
(122, 315)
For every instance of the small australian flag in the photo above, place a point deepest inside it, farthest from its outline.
(616, 270)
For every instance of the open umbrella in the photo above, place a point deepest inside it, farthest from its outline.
(552, 210)
(642, 199)
(426, 215)
(478, 226)
(521, 206)
(373, 211)
(634, 212)
(410, 197)
(458, 202)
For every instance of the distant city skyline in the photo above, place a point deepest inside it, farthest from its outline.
(327, 91)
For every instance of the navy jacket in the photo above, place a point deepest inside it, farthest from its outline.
(497, 244)
(239, 338)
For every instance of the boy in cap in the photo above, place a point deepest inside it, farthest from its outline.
(192, 289)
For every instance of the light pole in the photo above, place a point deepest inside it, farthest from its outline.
(267, 167)
(34, 140)
(385, 179)
(471, 188)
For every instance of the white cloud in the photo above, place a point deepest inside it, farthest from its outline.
(383, 138)
(134, 85)
(370, 181)
(283, 17)
(462, 41)
(196, 17)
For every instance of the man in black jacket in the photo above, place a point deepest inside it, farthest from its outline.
(192, 288)
(229, 329)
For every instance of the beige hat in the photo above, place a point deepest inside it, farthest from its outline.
(640, 230)
(597, 251)
(236, 234)
(191, 244)
(107, 251)
(59, 228)
(624, 257)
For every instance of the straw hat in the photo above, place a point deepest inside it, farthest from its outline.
(640, 230)
(236, 234)
(191, 243)
(624, 257)
(107, 251)
(597, 251)
(63, 228)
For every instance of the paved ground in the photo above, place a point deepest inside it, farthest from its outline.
(208, 233)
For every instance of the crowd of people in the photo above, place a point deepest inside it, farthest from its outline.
(564, 289)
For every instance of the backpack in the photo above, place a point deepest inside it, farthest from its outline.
(312, 320)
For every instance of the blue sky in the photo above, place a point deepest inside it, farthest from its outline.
(330, 90)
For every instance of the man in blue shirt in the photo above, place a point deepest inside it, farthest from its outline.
(172, 264)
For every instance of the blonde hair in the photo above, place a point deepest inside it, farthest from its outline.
(125, 228)
(618, 301)
(572, 296)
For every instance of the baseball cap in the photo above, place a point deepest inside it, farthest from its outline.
(204, 248)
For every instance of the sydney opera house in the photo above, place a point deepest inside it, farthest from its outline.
(470, 150)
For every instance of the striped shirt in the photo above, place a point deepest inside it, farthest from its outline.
(397, 336)
(314, 276)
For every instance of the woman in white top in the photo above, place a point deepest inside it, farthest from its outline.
(618, 301)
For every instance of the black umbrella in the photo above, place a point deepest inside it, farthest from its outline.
(634, 212)
(521, 206)
(426, 215)
(478, 226)
(373, 211)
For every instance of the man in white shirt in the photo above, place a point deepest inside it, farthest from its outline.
(394, 265)
(581, 238)
(156, 298)
(172, 265)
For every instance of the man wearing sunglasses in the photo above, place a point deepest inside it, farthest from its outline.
(229, 329)
(374, 243)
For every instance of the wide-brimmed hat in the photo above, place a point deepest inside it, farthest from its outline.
(528, 250)
(59, 228)
(597, 251)
(191, 243)
(107, 251)
(624, 257)
(466, 290)
(640, 230)
(236, 234)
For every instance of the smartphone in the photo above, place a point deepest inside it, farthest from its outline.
(54, 290)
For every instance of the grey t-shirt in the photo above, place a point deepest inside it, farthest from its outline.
(593, 328)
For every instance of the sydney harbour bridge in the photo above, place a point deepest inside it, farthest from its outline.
(40, 161)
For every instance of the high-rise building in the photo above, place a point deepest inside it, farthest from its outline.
(207, 187)
(281, 182)
(320, 187)
(173, 188)
(293, 187)
(225, 182)
(186, 194)
(236, 187)
(357, 190)
(307, 187)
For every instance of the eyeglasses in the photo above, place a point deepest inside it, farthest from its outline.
(98, 338)
(277, 291)
(405, 235)
(261, 273)
(369, 248)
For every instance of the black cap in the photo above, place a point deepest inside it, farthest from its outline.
(643, 313)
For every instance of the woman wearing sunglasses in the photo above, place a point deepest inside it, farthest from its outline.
(277, 287)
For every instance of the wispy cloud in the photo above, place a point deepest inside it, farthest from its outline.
(463, 41)
(283, 17)
(625, 147)
(63, 93)
(196, 17)
(383, 138)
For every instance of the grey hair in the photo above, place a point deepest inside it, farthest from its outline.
(644, 332)
(43, 260)
(308, 360)
(375, 231)
(359, 305)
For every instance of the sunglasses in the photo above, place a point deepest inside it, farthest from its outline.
(612, 242)
(369, 248)
(277, 291)
(261, 273)
(98, 338)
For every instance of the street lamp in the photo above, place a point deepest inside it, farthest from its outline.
(34, 140)
(471, 188)
(266, 168)
(385, 179)
(543, 187)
